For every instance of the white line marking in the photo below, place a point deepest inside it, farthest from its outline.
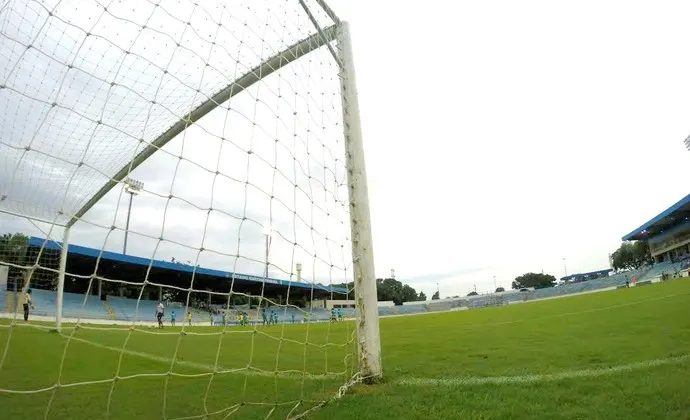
(521, 379)
(251, 371)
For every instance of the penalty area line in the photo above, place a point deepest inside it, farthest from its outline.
(207, 367)
(547, 377)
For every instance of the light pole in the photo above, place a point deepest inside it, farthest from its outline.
(298, 267)
(687, 142)
(495, 284)
(132, 187)
(267, 233)
(565, 269)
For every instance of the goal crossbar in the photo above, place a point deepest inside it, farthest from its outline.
(265, 68)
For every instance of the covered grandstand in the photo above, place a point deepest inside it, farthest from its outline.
(92, 292)
(668, 233)
(576, 278)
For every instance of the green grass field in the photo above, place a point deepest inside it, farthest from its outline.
(622, 354)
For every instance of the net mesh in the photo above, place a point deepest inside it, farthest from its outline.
(237, 222)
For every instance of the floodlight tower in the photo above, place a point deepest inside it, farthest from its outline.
(298, 267)
(565, 269)
(132, 187)
(687, 142)
(268, 231)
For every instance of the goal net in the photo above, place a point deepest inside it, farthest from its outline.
(179, 185)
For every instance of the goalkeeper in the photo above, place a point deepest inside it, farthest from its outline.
(160, 312)
(27, 303)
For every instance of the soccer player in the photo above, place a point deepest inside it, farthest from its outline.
(189, 318)
(340, 314)
(172, 318)
(27, 303)
(333, 319)
(160, 310)
(263, 316)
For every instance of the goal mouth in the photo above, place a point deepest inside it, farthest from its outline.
(181, 180)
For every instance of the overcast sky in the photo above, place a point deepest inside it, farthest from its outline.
(504, 136)
(500, 137)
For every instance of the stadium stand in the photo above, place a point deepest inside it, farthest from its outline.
(668, 233)
(105, 303)
(77, 305)
(126, 309)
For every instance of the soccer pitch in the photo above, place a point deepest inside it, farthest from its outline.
(618, 354)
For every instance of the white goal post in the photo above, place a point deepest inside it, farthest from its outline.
(362, 244)
(242, 122)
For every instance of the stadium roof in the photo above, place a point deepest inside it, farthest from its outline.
(666, 219)
(130, 259)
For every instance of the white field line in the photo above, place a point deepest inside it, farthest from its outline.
(522, 379)
(295, 374)
(428, 381)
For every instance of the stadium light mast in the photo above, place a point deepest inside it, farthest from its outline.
(687, 142)
(298, 267)
(268, 231)
(132, 187)
(565, 269)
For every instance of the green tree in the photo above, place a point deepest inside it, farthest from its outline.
(472, 293)
(350, 291)
(408, 294)
(631, 255)
(499, 290)
(386, 290)
(391, 289)
(422, 297)
(13, 249)
(534, 280)
(435, 296)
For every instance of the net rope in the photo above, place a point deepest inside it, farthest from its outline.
(257, 186)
